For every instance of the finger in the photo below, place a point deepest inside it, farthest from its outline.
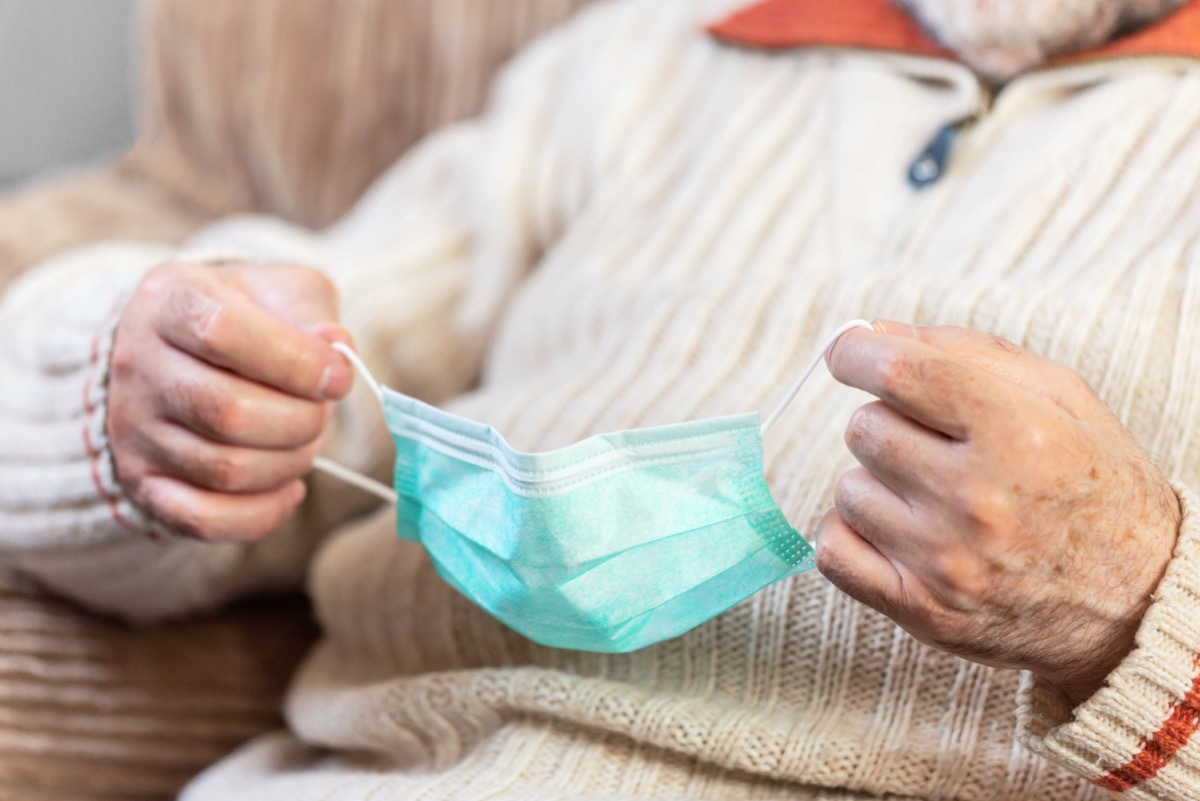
(898, 451)
(958, 339)
(332, 333)
(879, 516)
(936, 389)
(179, 453)
(1001, 357)
(227, 409)
(217, 517)
(991, 352)
(223, 327)
(335, 334)
(856, 568)
(300, 295)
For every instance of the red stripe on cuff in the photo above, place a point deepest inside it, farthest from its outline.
(1158, 750)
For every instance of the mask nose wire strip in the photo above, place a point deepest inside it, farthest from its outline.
(812, 365)
(341, 472)
(388, 494)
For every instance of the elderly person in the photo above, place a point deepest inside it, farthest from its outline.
(666, 208)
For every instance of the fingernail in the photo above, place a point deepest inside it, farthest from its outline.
(336, 380)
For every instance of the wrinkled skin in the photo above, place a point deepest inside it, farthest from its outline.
(1000, 512)
(221, 386)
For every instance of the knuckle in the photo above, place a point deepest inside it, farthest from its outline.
(211, 326)
(949, 571)
(131, 472)
(824, 551)
(203, 317)
(852, 499)
(232, 416)
(858, 430)
(831, 562)
(864, 434)
(984, 510)
(122, 362)
(844, 498)
(846, 493)
(228, 471)
(220, 414)
(826, 558)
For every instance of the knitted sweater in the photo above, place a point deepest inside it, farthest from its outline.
(649, 226)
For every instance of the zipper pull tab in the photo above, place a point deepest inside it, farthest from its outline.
(930, 165)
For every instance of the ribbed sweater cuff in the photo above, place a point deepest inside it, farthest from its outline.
(1137, 734)
(124, 511)
(58, 483)
(96, 441)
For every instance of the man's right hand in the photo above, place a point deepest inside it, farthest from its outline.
(221, 385)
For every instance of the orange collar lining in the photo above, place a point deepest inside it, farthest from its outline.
(881, 25)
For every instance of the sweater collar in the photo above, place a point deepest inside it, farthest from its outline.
(882, 25)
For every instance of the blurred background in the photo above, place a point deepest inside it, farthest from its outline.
(67, 74)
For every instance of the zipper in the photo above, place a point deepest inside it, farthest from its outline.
(933, 160)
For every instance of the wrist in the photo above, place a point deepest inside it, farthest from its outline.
(1144, 713)
(1107, 635)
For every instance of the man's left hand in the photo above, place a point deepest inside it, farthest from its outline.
(1001, 511)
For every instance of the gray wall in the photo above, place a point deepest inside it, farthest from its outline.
(66, 81)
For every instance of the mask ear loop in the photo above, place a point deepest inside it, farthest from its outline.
(812, 365)
(342, 472)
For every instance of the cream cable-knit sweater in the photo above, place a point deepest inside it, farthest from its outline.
(650, 227)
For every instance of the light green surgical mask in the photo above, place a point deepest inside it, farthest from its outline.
(611, 544)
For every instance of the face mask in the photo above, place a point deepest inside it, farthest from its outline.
(611, 544)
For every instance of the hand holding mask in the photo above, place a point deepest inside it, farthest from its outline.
(1001, 513)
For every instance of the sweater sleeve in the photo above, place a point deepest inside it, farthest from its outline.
(1138, 734)
(424, 264)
